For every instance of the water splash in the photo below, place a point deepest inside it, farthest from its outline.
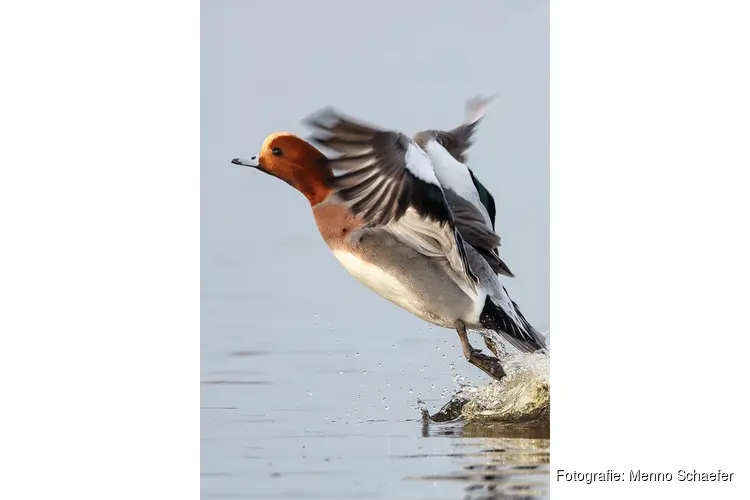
(521, 396)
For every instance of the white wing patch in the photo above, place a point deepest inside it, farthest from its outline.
(454, 175)
(419, 164)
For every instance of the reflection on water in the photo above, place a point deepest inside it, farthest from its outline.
(504, 462)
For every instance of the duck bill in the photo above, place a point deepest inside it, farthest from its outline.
(245, 162)
(252, 162)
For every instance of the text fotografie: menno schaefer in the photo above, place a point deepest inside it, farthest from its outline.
(643, 476)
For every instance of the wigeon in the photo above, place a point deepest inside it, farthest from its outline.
(409, 219)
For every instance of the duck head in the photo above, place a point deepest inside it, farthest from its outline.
(294, 161)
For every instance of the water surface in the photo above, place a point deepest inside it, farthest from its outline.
(301, 408)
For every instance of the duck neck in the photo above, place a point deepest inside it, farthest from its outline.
(314, 184)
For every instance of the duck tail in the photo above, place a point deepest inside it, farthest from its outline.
(501, 315)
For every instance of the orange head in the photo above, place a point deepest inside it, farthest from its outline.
(294, 161)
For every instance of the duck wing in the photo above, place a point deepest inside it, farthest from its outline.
(473, 228)
(451, 168)
(388, 181)
(472, 204)
(458, 140)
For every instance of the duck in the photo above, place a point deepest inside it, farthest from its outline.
(409, 219)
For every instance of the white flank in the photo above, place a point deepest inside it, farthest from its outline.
(454, 175)
(393, 289)
(384, 284)
(419, 164)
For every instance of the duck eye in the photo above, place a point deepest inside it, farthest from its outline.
(276, 152)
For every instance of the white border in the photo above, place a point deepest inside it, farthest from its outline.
(99, 266)
(649, 272)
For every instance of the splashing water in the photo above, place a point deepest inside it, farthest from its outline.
(521, 396)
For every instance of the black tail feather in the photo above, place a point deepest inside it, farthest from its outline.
(520, 334)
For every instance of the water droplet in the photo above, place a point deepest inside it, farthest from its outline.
(387, 408)
(380, 364)
(443, 355)
(309, 393)
(383, 400)
(422, 369)
(365, 372)
(433, 386)
(394, 346)
(357, 354)
(437, 348)
(341, 372)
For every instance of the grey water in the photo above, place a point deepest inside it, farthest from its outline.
(310, 383)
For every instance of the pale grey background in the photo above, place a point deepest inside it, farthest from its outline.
(280, 317)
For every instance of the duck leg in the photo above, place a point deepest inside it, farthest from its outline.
(489, 365)
(491, 346)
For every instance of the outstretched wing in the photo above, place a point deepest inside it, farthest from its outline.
(458, 140)
(388, 181)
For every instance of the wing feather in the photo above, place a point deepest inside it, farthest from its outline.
(387, 180)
